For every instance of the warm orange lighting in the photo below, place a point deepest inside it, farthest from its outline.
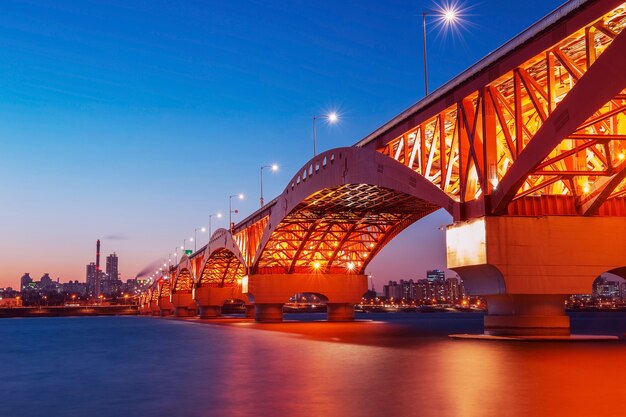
(316, 265)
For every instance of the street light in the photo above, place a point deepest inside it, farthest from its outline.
(230, 209)
(195, 237)
(274, 168)
(448, 16)
(332, 118)
(219, 216)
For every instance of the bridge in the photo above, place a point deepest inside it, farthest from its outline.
(527, 152)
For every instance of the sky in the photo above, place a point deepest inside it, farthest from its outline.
(131, 121)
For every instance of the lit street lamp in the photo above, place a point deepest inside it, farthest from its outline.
(219, 216)
(274, 168)
(332, 118)
(447, 16)
(230, 209)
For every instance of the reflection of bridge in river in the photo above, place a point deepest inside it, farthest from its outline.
(526, 150)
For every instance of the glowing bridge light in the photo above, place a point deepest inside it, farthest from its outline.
(350, 266)
(449, 15)
(316, 265)
(333, 117)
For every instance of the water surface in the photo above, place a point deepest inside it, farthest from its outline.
(397, 365)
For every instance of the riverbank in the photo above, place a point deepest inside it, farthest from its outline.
(69, 311)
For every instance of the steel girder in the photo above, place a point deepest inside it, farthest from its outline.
(546, 119)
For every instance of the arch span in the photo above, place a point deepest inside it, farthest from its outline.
(223, 264)
(340, 209)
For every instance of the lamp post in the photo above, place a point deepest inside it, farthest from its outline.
(448, 16)
(195, 237)
(230, 209)
(274, 168)
(219, 216)
(331, 118)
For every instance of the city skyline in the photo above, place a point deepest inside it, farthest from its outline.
(97, 102)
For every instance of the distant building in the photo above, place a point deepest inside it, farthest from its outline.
(25, 282)
(75, 288)
(112, 267)
(91, 277)
(602, 287)
(435, 275)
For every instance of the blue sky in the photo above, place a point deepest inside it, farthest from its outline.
(130, 121)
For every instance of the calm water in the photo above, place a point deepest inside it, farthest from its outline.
(398, 365)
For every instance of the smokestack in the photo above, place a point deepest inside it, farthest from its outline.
(97, 286)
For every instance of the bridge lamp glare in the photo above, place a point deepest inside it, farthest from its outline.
(621, 156)
(274, 167)
(449, 15)
(203, 229)
(316, 265)
(333, 117)
(241, 196)
(350, 266)
(219, 215)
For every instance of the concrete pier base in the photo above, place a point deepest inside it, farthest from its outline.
(528, 315)
(182, 312)
(250, 311)
(268, 313)
(210, 312)
(340, 311)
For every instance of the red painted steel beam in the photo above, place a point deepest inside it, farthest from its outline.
(602, 82)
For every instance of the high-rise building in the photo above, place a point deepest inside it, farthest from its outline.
(111, 267)
(91, 278)
(96, 291)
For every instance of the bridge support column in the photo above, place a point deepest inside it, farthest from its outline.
(210, 312)
(526, 315)
(211, 299)
(183, 303)
(340, 311)
(165, 306)
(181, 312)
(268, 313)
(525, 266)
(342, 291)
(250, 309)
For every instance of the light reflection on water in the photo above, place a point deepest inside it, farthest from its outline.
(404, 365)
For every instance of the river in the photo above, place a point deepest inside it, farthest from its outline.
(390, 365)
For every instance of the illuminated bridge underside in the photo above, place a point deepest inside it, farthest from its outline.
(222, 269)
(340, 210)
(184, 282)
(339, 229)
(539, 130)
(165, 288)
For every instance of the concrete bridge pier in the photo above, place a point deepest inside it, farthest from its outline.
(183, 303)
(211, 299)
(526, 266)
(340, 311)
(165, 306)
(268, 312)
(523, 314)
(271, 291)
(210, 312)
